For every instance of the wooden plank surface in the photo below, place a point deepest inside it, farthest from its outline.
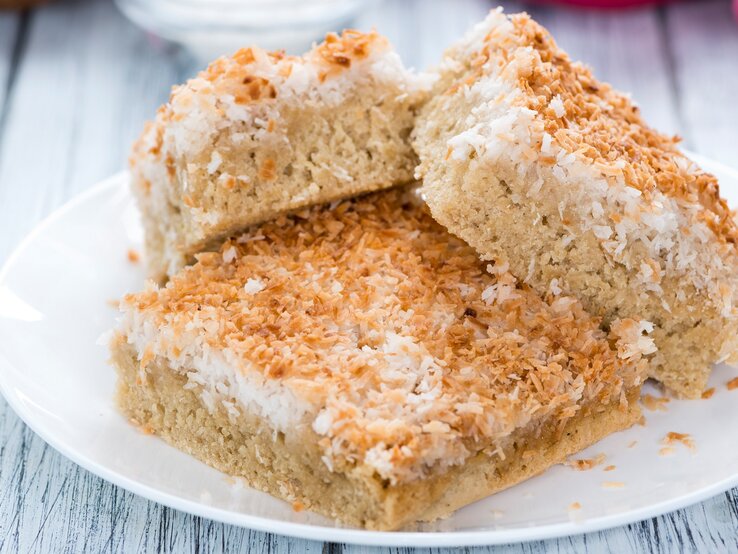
(703, 38)
(9, 24)
(82, 81)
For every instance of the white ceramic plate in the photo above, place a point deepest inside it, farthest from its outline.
(55, 294)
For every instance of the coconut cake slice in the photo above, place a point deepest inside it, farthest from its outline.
(359, 360)
(260, 133)
(531, 160)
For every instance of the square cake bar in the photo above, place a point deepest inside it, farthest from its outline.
(359, 359)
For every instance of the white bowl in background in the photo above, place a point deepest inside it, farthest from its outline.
(211, 28)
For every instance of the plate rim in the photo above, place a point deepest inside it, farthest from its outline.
(319, 532)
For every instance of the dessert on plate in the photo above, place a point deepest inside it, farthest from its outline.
(534, 162)
(359, 360)
(260, 133)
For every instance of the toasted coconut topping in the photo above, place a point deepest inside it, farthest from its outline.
(368, 322)
(603, 125)
(339, 52)
(531, 107)
(590, 120)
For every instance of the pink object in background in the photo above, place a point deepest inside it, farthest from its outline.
(617, 4)
(606, 4)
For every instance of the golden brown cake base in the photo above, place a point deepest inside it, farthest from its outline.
(290, 466)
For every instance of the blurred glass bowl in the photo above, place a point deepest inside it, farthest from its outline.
(210, 28)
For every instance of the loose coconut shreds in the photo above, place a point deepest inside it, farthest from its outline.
(551, 119)
(584, 464)
(359, 329)
(633, 337)
(613, 484)
(673, 438)
(133, 256)
(654, 403)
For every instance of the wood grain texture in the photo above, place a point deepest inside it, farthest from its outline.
(421, 29)
(9, 55)
(703, 38)
(80, 81)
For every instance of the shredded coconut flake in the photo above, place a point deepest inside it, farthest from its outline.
(557, 105)
(253, 286)
(229, 254)
(215, 160)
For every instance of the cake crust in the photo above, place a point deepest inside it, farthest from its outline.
(530, 159)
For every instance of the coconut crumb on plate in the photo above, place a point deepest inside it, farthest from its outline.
(584, 464)
(673, 438)
(654, 403)
(298, 506)
(613, 484)
(133, 256)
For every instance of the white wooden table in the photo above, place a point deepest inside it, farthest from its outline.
(76, 83)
